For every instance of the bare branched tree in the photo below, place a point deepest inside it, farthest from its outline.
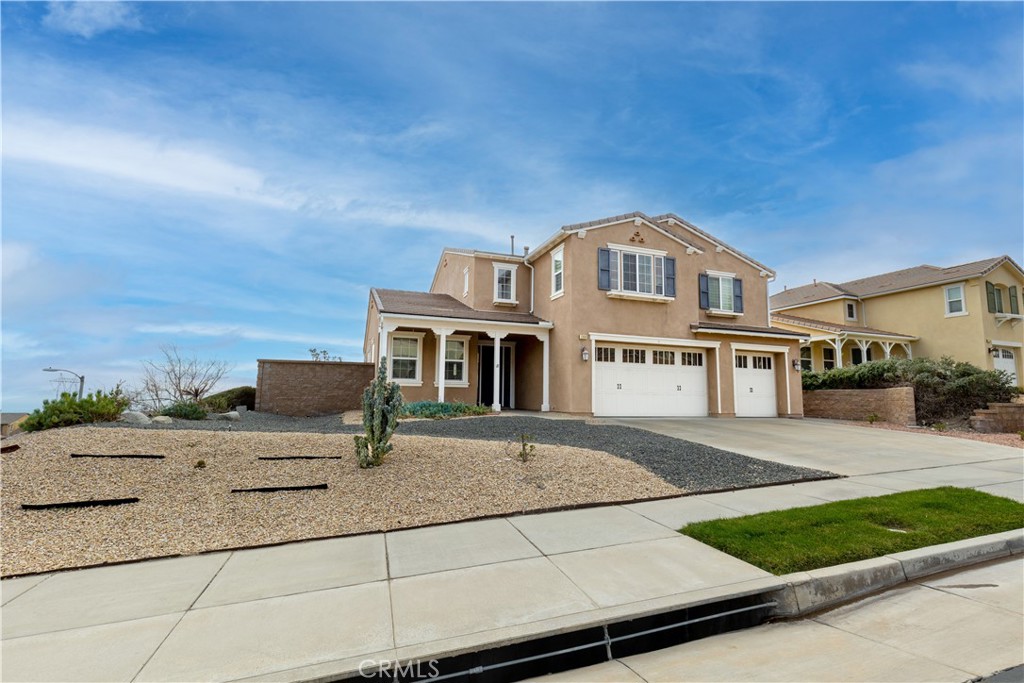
(178, 378)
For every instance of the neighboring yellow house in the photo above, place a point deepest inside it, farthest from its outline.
(970, 312)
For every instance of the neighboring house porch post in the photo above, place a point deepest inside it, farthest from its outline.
(887, 348)
(837, 344)
(442, 338)
(863, 345)
(497, 336)
(545, 403)
(906, 347)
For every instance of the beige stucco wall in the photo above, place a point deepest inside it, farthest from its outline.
(828, 311)
(450, 274)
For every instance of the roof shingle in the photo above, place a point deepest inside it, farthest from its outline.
(441, 306)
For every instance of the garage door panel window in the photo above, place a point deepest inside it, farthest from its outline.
(742, 362)
(762, 362)
(638, 356)
(605, 354)
(663, 357)
(691, 358)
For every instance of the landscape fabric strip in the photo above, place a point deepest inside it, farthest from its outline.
(272, 489)
(117, 455)
(299, 457)
(10, 449)
(79, 504)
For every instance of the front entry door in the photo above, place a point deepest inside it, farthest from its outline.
(486, 396)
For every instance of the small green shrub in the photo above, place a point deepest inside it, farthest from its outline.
(873, 418)
(382, 404)
(231, 399)
(70, 410)
(526, 449)
(185, 410)
(1021, 435)
(939, 426)
(200, 465)
(442, 411)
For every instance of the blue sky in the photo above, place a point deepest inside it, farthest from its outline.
(233, 177)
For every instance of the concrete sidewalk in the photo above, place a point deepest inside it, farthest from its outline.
(316, 609)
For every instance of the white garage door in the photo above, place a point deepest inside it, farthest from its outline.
(755, 386)
(638, 381)
(1007, 362)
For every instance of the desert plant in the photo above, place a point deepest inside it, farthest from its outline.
(939, 426)
(323, 355)
(185, 410)
(382, 404)
(200, 465)
(71, 410)
(873, 418)
(526, 449)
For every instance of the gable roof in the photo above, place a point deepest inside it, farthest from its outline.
(671, 220)
(887, 283)
(435, 305)
(612, 220)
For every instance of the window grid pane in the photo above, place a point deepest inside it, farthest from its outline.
(605, 354)
(645, 274)
(629, 272)
(404, 347)
(504, 284)
(613, 265)
(659, 276)
(403, 368)
(664, 358)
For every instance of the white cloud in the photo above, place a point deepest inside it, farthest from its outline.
(245, 332)
(176, 166)
(87, 19)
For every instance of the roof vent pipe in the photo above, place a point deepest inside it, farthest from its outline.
(513, 252)
(526, 251)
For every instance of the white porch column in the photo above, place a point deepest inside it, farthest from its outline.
(863, 345)
(545, 403)
(837, 344)
(442, 338)
(497, 336)
(887, 348)
(382, 341)
(906, 347)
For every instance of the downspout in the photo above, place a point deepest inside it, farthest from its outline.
(531, 284)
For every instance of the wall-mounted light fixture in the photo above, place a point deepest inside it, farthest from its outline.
(992, 351)
(796, 365)
(585, 353)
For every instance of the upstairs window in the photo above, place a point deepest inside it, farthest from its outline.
(557, 271)
(465, 281)
(504, 283)
(955, 300)
(721, 292)
(634, 272)
(851, 310)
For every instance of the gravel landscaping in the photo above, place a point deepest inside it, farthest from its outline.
(440, 471)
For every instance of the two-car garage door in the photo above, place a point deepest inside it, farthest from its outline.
(650, 381)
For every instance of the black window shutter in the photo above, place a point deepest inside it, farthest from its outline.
(1014, 304)
(705, 293)
(990, 293)
(604, 272)
(670, 276)
(737, 296)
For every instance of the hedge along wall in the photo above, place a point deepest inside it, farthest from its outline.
(894, 405)
(306, 387)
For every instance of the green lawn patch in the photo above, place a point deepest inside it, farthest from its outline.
(846, 531)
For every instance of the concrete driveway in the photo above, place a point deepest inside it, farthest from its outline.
(881, 456)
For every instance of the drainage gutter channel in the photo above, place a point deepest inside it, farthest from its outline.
(791, 596)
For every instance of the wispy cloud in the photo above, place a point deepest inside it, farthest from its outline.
(88, 19)
(998, 79)
(243, 332)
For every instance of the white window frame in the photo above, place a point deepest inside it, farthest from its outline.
(809, 360)
(465, 281)
(825, 360)
(716, 275)
(443, 361)
(615, 265)
(851, 305)
(962, 299)
(512, 267)
(557, 268)
(418, 379)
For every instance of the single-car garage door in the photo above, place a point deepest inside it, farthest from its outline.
(755, 386)
(644, 381)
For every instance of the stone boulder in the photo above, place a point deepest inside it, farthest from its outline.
(161, 420)
(134, 417)
(231, 416)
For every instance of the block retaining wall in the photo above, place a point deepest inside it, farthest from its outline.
(303, 388)
(894, 405)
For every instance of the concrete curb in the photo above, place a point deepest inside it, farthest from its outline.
(813, 591)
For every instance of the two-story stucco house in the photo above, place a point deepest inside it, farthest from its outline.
(623, 316)
(970, 312)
